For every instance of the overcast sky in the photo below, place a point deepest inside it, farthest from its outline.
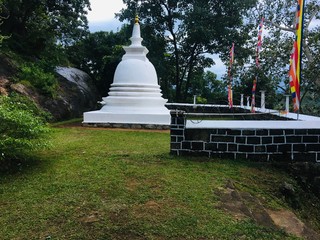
(101, 18)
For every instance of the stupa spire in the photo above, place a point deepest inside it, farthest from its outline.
(136, 50)
(136, 34)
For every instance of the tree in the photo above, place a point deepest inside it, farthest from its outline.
(277, 45)
(36, 25)
(210, 88)
(2, 37)
(191, 29)
(98, 54)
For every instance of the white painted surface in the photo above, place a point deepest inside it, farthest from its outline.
(207, 124)
(135, 96)
(130, 118)
(289, 115)
(305, 121)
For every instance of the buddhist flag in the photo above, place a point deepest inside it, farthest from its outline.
(253, 99)
(259, 44)
(258, 49)
(295, 58)
(230, 97)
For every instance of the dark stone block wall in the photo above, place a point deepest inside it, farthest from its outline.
(255, 144)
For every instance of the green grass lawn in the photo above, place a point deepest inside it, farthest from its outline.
(122, 184)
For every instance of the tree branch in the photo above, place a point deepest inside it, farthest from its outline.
(287, 29)
(312, 16)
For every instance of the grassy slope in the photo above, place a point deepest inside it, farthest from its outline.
(107, 184)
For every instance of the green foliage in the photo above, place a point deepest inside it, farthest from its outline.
(26, 104)
(20, 130)
(208, 88)
(40, 79)
(2, 37)
(277, 45)
(99, 54)
(37, 25)
(201, 100)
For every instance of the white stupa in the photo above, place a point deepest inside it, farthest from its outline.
(135, 96)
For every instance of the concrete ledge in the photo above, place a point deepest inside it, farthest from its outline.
(230, 124)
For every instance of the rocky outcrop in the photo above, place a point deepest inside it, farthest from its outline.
(75, 95)
(243, 205)
(4, 83)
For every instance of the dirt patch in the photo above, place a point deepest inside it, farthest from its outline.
(152, 205)
(149, 209)
(132, 185)
(91, 218)
(153, 210)
(119, 213)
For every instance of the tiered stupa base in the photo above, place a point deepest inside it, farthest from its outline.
(135, 121)
(133, 106)
(141, 116)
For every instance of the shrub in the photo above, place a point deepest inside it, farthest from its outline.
(21, 131)
(25, 103)
(39, 78)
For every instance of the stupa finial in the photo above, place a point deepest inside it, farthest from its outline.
(136, 20)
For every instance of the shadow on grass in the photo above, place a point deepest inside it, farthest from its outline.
(15, 166)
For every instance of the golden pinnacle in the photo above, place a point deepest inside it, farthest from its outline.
(136, 20)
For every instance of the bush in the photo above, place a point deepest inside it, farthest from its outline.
(39, 78)
(26, 104)
(21, 131)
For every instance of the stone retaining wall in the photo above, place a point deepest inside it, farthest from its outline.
(236, 143)
(127, 125)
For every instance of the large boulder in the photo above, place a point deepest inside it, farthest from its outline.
(76, 94)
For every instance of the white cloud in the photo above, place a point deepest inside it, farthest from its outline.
(107, 26)
(104, 10)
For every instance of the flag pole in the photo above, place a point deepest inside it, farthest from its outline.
(296, 58)
(230, 90)
(255, 81)
(301, 48)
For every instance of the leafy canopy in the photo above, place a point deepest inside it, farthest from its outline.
(36, 25)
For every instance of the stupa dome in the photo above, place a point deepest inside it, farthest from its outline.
(135, 71)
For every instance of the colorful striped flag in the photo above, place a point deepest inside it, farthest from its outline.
(253, 98)
(295, 58)
(259, 46)
(230, 97)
